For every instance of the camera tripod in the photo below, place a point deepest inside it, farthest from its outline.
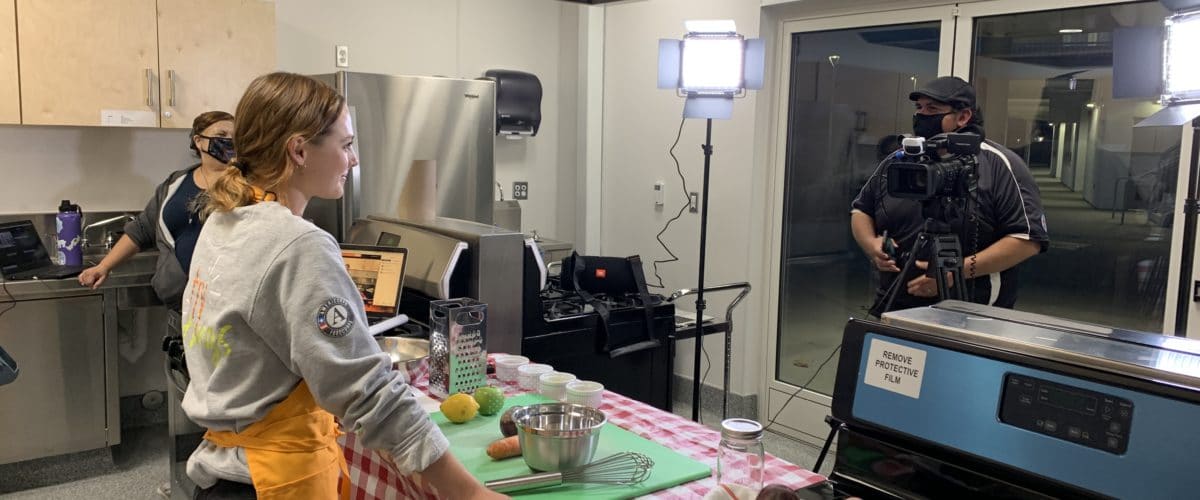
(945, 258)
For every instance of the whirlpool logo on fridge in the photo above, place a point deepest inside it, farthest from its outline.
(195, 333)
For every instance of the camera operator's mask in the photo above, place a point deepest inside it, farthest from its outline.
(928, 126)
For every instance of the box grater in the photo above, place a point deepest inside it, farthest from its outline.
(457, 357)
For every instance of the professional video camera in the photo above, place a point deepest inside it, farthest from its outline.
(940, 173)
(934, 168)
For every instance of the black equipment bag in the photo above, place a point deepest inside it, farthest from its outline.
(607, 275)
(588, 276)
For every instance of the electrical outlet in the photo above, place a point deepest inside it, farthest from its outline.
(341, 56)
(659, 186)
(694, 202)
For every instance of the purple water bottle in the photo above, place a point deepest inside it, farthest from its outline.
(69, 245)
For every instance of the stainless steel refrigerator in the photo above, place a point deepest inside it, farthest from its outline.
(402, 119)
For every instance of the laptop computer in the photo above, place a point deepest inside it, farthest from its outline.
(22, 255)
(378, 273)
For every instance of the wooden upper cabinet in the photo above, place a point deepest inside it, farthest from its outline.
(209, 52)
(87, 62)
(10, 87)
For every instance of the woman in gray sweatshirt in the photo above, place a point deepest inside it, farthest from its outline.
(274, 329)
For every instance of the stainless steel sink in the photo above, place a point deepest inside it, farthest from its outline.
(140, 263)
(138, 268)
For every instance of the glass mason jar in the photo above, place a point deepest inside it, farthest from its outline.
(740, 457)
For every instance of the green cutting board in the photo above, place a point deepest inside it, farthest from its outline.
(469, 443)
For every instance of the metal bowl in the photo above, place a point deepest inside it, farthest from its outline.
(558, 436)
(407, 354)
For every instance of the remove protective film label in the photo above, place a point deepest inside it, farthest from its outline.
(895, 368)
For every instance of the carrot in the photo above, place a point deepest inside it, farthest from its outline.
(504, 448)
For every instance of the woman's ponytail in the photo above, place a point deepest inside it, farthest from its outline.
(229, 191)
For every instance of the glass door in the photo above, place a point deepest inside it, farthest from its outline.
(847, 86)
(1063, 89)
(1060, 82)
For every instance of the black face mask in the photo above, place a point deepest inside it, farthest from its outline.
(220, 148)
(928, 126)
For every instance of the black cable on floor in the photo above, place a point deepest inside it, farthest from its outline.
(803, 387)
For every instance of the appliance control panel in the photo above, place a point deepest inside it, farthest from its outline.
(1081, 416)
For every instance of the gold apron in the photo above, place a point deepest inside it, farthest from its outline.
(293, 451)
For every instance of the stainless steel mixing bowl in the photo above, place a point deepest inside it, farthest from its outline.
(406, 354)
(558, 436)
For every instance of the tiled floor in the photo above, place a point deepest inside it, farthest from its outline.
(137, 467)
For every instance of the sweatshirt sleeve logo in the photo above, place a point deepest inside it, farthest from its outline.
(334, 318)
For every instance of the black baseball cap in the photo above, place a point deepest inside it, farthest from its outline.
(951, 90)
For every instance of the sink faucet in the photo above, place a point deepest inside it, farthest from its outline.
(109, 241)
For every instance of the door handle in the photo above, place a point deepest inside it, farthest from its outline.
(171, 82)
(150, 88)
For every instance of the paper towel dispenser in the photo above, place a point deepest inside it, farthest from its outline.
(518, 102)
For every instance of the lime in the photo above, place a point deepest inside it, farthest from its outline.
(459, 408)
(490, 399)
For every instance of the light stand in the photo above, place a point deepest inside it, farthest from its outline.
(700, 305)
(1181, 95)
(711, 66)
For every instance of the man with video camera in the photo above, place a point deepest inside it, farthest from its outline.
(986, 197)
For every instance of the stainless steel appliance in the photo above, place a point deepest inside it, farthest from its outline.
(450, 258)
(961, 400)
(553, 251)
(507, 214)
(65, 399)
(402, 119)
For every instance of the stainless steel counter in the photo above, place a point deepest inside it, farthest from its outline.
(136, 272)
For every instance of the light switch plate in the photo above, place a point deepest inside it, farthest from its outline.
(694, 204)
(520, 190)
(341, 56)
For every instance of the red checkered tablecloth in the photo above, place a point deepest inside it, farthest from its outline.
(372, 478)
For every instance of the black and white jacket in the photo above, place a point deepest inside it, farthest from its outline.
(1007, 204)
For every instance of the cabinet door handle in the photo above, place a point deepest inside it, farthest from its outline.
(171, 80)
(150, 88)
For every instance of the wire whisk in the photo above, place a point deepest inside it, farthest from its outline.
(625, 468)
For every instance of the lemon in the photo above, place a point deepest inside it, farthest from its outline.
(459, 408)
(490, 400)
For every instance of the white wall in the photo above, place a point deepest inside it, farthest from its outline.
(101, 169)
(640, 123)
(463, 38)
